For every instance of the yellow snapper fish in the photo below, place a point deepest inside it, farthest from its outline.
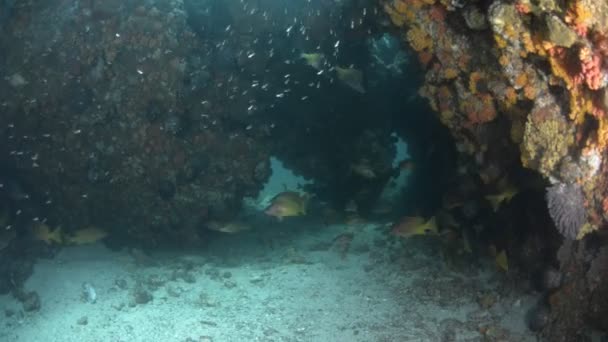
(502, 262)
(410, 226)
(351, 77)
(230, 227)
(42, 232)
(315, 60)
(86, 236)
(287, 204)
(500, 258)
(504, 197)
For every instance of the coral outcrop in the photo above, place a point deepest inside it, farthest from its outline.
(537, 70)
(118, 115)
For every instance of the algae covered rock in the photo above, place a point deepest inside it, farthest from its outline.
(475, 18)
(547, 136)
(558, 32)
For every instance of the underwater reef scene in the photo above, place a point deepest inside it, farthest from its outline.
(304, 170)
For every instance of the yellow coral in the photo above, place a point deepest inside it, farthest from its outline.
(602, 133)
(400, 6)
(446, 116)
(474, 79)
(450, 73)
(501, 43)
(579, 15)
(547, 138)
(528, 44)
(401, 11)
(398, 18)
(509, 32)
(580, 104)
(419, 39)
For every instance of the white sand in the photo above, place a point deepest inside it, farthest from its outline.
(283, 286)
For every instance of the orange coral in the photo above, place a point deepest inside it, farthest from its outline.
(521, 80)
(605, 205)
(578, 17)
(479, 108)
(503, 60)
(463, 62)
(522, 8)
(600, 43)
(591, 69)
(530, 91)
(444, 98)
(438, 13)
(425, 57)
(510, 97)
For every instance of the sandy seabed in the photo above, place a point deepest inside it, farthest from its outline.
(288, 281)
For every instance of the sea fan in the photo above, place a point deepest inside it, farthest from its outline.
(565, 203)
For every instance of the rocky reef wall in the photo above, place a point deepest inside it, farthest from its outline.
(116, 113)
(523, 83)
